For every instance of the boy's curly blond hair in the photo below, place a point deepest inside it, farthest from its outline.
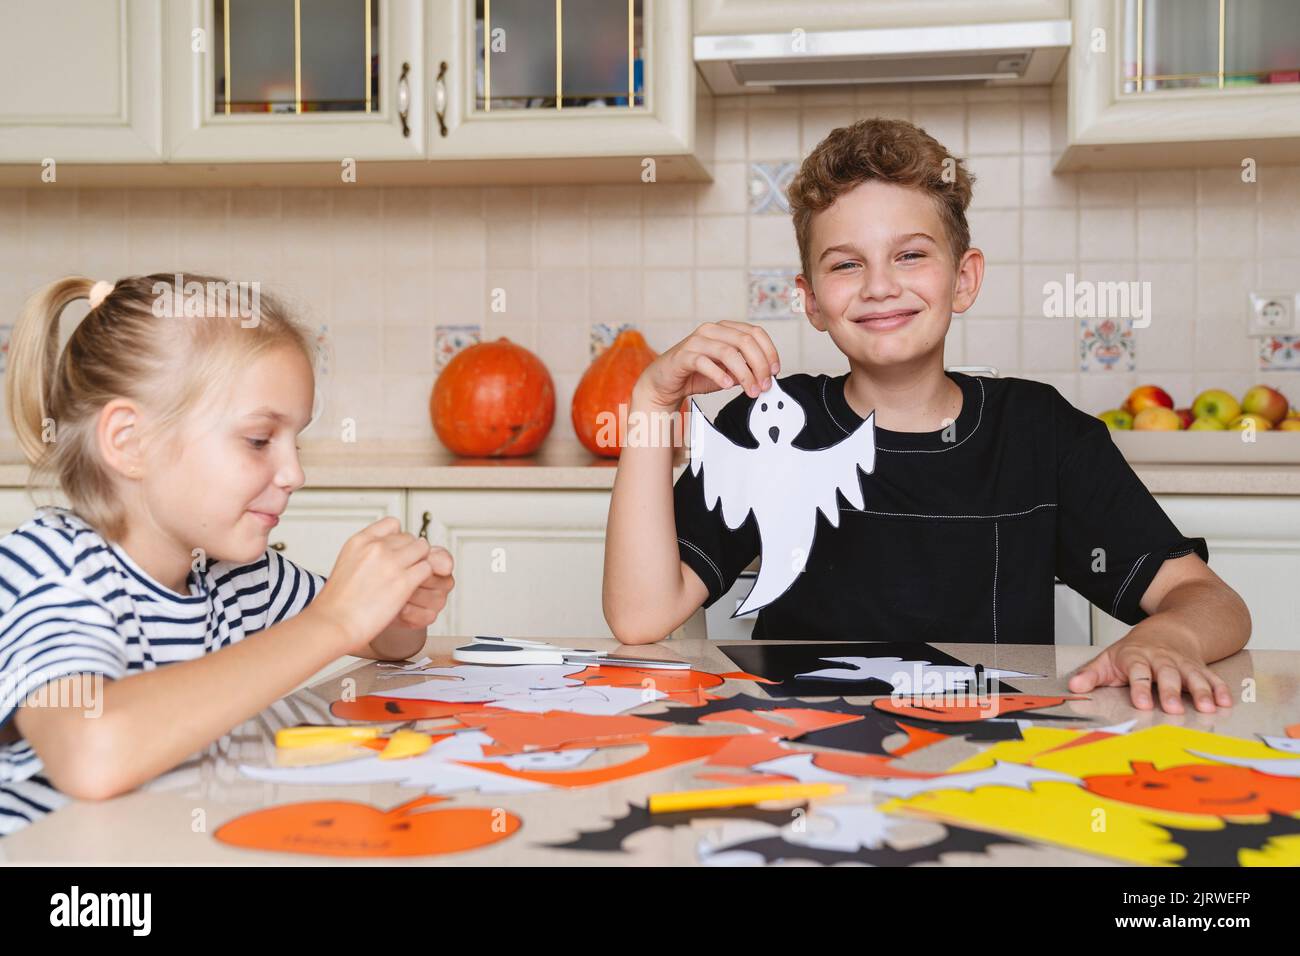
(893, 151)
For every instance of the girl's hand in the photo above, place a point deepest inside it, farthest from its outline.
(428, 600)
(377, 574)
(1148, 661)
(715, 356)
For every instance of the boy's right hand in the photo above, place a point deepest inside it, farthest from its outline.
(715, 356)
(377, 571)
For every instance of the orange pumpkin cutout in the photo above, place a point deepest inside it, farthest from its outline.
(662, 680)
(995, 705)
(345, 828)
(1200, 788)
(605, 386)
(375, 708)
(493, 400)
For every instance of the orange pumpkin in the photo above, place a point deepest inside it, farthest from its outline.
(1200, 788)
(342, 828)
(605, 386)
(493, 400)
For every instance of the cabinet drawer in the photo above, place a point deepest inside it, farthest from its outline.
(528, 563)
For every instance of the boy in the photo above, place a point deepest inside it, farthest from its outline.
(983, 489)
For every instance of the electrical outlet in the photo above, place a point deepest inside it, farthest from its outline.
(1271, 313)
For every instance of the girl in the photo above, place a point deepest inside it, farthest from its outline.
(170, 422)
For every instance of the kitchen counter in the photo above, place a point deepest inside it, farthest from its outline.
(566, 465)
(155, 825)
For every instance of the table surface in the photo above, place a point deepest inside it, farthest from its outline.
(171, 820)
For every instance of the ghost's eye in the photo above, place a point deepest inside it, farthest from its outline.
(780, 404)
(764, 406)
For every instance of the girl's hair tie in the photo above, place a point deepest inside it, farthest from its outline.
(99, 292)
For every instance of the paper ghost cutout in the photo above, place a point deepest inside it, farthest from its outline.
(782, 485)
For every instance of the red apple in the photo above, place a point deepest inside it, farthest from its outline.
(1147, 396)
(1186, 416)
(1265, 402)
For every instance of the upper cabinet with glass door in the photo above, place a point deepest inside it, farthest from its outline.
(562, 80)
(295, 80)
(1180, 83)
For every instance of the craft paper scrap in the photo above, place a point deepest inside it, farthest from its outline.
(782, 663)
(532, 688)
(782, 485)
(907, 677)
(459, 763)
(938, 708)
(1136, 791)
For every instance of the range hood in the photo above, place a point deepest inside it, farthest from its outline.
(1024, 52)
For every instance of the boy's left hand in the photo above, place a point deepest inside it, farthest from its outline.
(427, 601)
(1147, 659)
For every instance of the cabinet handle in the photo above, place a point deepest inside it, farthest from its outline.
(404, 98)
(440, 98)
(424, 526)
(276, 546)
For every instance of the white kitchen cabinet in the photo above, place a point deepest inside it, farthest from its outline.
(316, 524)
(383, 121)
(1254, 545)
(528, 563)
(467, 121)
(81, 82)
(781, 16)
(1099, 125)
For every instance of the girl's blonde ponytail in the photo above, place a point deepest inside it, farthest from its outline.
(33, 354)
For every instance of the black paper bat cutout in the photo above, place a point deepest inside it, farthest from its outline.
(774, 849)
(1220, 847)
(638, 819)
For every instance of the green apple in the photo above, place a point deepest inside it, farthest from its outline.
(1262, 424)
(1117, 419)
(1207, 424)
(1216, 403)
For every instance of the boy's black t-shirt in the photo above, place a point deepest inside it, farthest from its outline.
(964, 530)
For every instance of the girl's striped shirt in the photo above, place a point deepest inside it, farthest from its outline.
(72, 602)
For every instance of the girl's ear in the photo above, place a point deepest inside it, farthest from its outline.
(970, 275)
(117, 433)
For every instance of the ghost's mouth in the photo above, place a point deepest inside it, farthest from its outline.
(773, 432)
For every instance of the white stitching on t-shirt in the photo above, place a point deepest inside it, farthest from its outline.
(828, 408)
(1124, 587)
(698, 550)
(903, 514)
(1179, 554)
(904, 451)
(995, 582)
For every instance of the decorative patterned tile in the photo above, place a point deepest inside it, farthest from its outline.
(771, 292)
(603, 335)
(450, 339)
(767, 185)
(1277, 353)
(5, 332)
(1106, 345)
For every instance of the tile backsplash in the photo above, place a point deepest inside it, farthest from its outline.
(393, 281)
